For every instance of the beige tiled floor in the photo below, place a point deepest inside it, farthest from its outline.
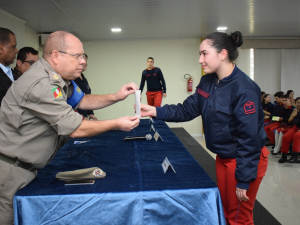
(279, 191)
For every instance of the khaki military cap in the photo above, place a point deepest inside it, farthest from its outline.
(83, 174)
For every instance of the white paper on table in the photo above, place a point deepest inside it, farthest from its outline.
(138, 102)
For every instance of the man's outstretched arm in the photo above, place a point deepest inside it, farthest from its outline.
(91, 102)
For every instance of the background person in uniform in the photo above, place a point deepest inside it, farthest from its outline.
(290, 93)
(233, 120)
(156, 86)
(292, 135)
(26, 57)
(38, 111)
(8, 51)
(268, 108)
(85, 87)
(262, 94)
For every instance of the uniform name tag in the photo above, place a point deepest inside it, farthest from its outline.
(166, 164)
(203, 93)
(275, 118)
(156, 136)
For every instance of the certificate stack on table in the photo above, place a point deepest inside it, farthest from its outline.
(135, 190)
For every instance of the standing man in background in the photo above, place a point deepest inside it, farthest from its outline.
(8, 51)
(85, 87)
(156, 86)
(26, 57)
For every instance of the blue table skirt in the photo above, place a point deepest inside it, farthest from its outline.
(135, 190)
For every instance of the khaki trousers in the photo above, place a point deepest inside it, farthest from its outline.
(12, 178)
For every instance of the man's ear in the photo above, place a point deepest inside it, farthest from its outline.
(54, 57)
(1, 48)
(19, 63)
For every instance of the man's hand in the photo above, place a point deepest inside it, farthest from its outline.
(126, 90)
(147, 110)
(241, 194)
(164, 95)
(128, 123)
(92, 117)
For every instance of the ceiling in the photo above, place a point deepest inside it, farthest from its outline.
(158, 19)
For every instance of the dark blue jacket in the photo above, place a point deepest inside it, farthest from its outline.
(155, 80)
(269, 107)
(233, 120)
(296, 120)
(286, 114)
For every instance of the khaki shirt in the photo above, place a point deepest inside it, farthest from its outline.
(35, 115)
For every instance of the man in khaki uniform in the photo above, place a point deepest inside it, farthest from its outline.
(35, 116)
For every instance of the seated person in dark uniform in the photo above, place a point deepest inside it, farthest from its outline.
(268, 108)
(26, 57)
(278, 93)
(290, 93)
(283, 118)
(262, 95)
(85, 87)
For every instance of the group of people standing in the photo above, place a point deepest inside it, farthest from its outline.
(282, 123)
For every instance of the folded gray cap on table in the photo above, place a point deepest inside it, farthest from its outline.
(82, 174)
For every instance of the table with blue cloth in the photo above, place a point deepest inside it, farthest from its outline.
(135, 190)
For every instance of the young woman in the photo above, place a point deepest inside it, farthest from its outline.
(233, 119)
(268, 108)
(290, 93)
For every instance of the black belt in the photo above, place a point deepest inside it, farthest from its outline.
(16, 162)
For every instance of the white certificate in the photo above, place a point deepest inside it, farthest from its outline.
(138, 102)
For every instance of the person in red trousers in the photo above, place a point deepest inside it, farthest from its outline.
(156, 85)
(230, 105)
(285, 127)
(292, 135)
(284, 114)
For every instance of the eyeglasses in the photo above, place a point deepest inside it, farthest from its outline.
(30, 62)
(77, 57)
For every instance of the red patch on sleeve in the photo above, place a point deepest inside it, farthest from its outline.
(203, 93)
(249, 107)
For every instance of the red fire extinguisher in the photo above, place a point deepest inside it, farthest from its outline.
(189, 79)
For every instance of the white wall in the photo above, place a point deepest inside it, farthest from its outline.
(243, 61)
(277, 70)
(114, 63)
(31, 38)
(290, 70)
(24, 35)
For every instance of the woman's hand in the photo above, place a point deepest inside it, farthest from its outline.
(241, 194)
(147, 110)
